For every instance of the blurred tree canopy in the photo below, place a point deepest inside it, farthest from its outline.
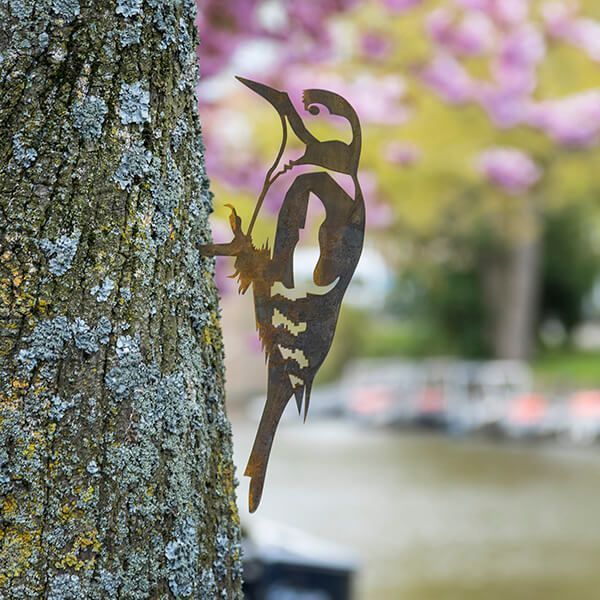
(482, 122)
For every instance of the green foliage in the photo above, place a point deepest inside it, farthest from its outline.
(445, 302)
(567, 367)
(570, 267)
(348, 343)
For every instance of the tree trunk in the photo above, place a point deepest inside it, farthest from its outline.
(511, 283)
(116, 474)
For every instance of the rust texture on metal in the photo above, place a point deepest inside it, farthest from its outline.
(296, 331)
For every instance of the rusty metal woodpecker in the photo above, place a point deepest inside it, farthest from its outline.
(297, 331)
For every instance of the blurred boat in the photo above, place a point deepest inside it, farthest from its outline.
(430, 407)
(492, 398)
(479, 392)
(281, 563)
(460, 396)
(380, 392)
(583, 416)
(528, 416)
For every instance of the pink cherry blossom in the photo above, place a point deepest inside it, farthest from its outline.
(439, 24)
(471, 35)
(573, 121)
(504, 12)
(510, 12)
(386, 107)
(503, 106)
(585, 34)
(509, 168)
(559, 18)
(400, 6)
(562, 22)
(378, 214)
(515, 77)
(225, 26)
(481, 5)
(375, 46)
(449, 79)
(523, 47)
(475, 34)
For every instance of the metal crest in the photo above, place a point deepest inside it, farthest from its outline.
(297, 332)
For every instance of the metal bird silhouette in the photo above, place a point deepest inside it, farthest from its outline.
(297, 332)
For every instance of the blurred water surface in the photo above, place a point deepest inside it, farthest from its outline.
(437, 518)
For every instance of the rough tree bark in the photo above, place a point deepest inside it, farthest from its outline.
(116, 475)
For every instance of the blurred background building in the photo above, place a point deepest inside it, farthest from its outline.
(452, 444)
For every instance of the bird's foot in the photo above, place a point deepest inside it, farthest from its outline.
(240, 241)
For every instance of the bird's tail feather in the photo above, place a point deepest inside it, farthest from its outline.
(278, 395)
(302, 393)
(307, 391)
(298, 394)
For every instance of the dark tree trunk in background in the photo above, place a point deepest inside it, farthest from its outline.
(511, 282)
(116, 475)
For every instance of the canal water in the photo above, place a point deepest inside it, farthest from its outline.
(435, 518)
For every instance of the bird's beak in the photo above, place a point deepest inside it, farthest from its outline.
(271, 95)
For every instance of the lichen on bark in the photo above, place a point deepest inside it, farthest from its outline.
(116, 474)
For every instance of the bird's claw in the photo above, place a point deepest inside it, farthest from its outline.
(239, 242)
(235, 221)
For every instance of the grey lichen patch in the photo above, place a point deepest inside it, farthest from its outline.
(24, 155)
(89, 339)
(131, 33)
(109, 583)
(182, 555)
(103, 291)
(173, 397)
(134, 102)
(131, 371)
(21, 8)
(126, 294)
(58, 407)
(208, 584)
(178, 134)
(134, 165)
(67, 9)
(48, 341)
(92, 468)
(88, 117)
(187, 60)
(129, 8)
(43, 40)
(128, 349)
(4, 467)
(57, 53)
(225, 550)
(103, 330)
(60, 253)
(166, 192)
(65, 587)
(164, 21)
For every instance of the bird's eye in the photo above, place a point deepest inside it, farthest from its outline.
(314, 110)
